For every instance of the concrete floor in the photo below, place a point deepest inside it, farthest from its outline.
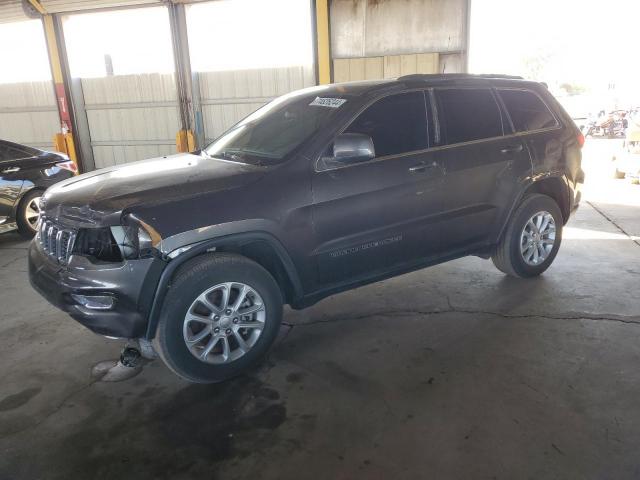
(454, 372)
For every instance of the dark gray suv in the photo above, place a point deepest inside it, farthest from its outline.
(317, 192)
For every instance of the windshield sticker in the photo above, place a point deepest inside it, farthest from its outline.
(328, 102)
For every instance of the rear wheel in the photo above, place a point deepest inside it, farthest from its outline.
(532, 238)
(220, 317)
(28, 213)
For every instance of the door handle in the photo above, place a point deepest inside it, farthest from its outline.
(423, 167)
(11, 170)
(512, 149)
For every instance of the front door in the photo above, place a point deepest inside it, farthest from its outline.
(373, 216)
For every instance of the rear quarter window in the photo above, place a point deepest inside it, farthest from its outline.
(467, 114)
(527, 111)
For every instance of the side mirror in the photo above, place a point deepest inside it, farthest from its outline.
(352, 148)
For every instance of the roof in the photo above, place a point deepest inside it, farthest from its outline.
(456, 76)
(365, 87)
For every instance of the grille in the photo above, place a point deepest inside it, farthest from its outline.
(56, 241)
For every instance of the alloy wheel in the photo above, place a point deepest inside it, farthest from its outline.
(32, 213)
(224, 322)
(538, 238)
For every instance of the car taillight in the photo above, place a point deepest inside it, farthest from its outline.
(580, 139)
(70, 165)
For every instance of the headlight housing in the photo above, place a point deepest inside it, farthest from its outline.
(131, 240)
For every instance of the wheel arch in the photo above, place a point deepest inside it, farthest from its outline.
(261, 247)
(556, 188)
(552, 186)
(23, 193)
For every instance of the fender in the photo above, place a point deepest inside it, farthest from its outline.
(202, 247)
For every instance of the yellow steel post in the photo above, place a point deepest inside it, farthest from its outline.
(323, 42)
(182, 141)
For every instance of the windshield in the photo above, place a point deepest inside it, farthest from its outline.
(269, 134)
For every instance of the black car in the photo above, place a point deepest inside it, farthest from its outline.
(319, 191)
(25, 173)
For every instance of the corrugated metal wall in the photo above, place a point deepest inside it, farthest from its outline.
(390, 66)
(28, 113)
(131, 117)
(227, 97)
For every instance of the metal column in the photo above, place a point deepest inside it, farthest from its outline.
(185, 138)
(467, 34)
(64, 140)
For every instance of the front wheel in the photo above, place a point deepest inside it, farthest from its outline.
(532, 238)
(220, 317)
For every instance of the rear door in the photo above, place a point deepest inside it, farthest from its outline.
(379, 214)
(484, 165)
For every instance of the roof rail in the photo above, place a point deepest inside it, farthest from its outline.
(444, 76)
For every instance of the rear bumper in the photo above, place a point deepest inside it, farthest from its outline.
(124, 282)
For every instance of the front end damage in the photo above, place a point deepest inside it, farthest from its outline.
(103, 276)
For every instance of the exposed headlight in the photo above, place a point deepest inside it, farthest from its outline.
(98, 243)
(133, 239)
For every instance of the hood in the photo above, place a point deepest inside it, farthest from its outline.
(98, 198)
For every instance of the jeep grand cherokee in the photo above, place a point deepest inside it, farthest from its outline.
(317, 192)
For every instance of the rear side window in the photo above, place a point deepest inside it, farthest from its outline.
(397, 124)
(10, 153)
(527, 110)
(467, 114)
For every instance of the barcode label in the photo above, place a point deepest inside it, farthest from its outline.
(328, 102)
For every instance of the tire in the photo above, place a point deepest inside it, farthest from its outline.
(24, 215)
(508, 257)
(192, 280)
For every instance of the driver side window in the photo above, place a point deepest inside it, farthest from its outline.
(397, 124)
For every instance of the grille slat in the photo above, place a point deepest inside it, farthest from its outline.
(56, 241)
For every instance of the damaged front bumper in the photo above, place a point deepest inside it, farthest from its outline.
(111, 299)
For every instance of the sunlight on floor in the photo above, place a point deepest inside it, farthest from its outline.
(573, 233)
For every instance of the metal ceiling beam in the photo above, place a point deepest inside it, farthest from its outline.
(38, 6)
